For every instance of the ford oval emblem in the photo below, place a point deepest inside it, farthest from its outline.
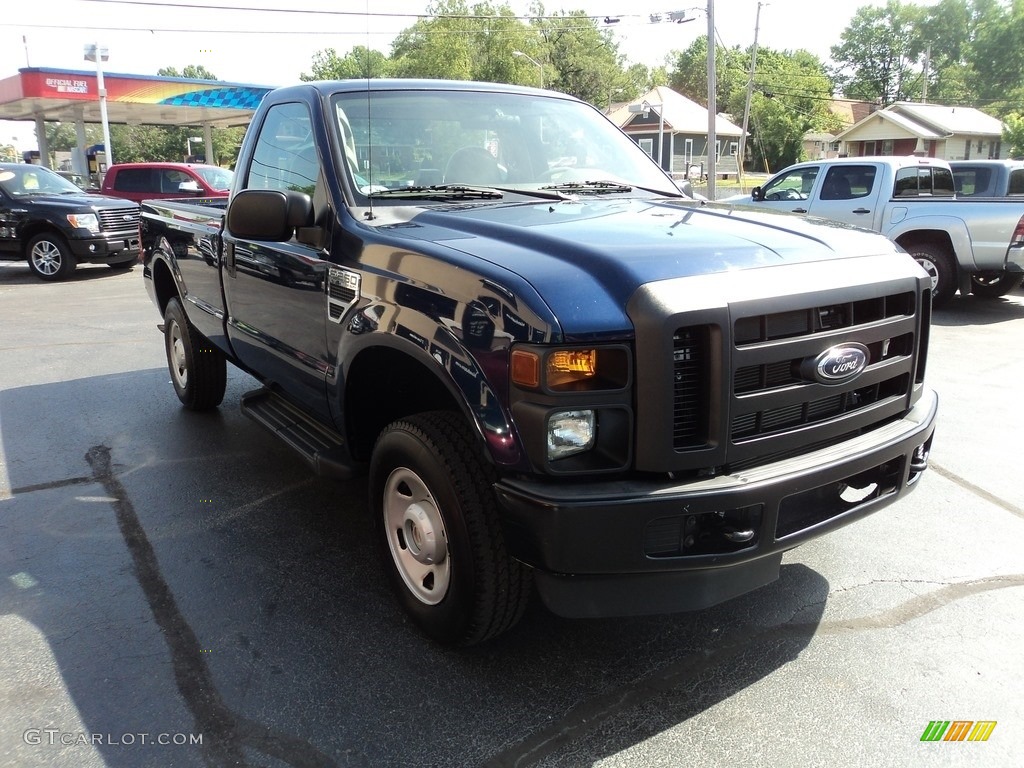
(836, 365)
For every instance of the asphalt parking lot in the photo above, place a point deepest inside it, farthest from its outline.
(168, 578)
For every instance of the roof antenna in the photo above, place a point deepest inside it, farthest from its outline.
(369, 122)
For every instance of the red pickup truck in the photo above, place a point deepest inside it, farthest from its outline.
(154, 181)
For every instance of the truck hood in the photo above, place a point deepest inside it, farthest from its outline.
(74, 202)
(586, 258)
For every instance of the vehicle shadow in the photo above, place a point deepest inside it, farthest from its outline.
(188, 575)
(971, 310)
(18, 273)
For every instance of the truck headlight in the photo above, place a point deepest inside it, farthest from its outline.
(570, 369)
(570, 432)
(88, 221)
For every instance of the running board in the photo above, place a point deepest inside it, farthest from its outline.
(320, 445)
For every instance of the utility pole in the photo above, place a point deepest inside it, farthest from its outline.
(750, 91)
(712, 102)
(927, 66)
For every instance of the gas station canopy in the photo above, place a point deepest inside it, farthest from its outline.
(37, 93)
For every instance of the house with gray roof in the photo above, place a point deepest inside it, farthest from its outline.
(933, 130)
(681, 125)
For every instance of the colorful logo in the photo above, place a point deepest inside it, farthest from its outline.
(958, 730)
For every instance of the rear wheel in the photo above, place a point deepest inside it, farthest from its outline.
(992, 285)
(939, 266)
(49, 257)
(198, 369)
(442, 542)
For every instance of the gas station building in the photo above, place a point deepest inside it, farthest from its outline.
(46, 95)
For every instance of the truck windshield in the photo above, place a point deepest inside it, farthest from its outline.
(27, 180)
(508, 141)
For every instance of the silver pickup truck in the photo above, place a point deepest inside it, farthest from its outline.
(961, 243)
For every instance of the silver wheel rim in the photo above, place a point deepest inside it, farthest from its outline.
(416, 536)
(179, 366)
(46, 257)
(933, 272)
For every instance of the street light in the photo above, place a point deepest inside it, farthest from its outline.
(95, 53)
(530, 58)
(645, 108)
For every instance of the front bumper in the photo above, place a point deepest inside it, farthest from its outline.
(606, 549)
(106, 250)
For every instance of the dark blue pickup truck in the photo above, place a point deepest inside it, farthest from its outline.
(558, 373)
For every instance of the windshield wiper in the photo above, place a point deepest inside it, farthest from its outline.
(439, 192)
(591, 187)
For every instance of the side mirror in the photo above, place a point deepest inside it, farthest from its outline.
(190, 187)
(264, 214)
(757, 194)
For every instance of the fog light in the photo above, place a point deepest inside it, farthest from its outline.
(570, 432)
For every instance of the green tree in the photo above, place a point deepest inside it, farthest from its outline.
(1013, 133)
(190, 71)
(880, 52)
(585, 59)
(996, 55)
(438, 47)
(359, 63)
(792, 96)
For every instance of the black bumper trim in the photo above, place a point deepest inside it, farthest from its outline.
(597, 530)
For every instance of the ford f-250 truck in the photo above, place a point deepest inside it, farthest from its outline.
(961, 243)
(558, 373)
(53, 225)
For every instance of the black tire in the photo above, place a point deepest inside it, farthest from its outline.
(49, 257)
(939, 266)
(992, 285)
(442, 543)
(198, 369)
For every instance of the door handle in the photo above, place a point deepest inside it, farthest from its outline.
(799, 210)
(862, 210)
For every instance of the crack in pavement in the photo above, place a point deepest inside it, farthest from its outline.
(590, 715)
(225, 734)
(967, 485)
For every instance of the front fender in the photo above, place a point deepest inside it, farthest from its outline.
(402, 352)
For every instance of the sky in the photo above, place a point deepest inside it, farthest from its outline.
(270, 43)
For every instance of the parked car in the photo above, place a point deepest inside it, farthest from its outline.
(155, 181)
(53, 225)
(988, 178)
(960, 243)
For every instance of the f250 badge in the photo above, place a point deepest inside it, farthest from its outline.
(836, 365)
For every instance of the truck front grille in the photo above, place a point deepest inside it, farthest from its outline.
(772, 406)
(119, 219)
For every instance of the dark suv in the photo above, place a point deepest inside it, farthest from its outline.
(54, 225)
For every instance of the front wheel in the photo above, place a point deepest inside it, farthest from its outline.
(49, 257)
(198, 369)
(442, 543)
(940, 268)
(992, 285)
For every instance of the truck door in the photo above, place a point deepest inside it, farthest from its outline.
(848, 193)
(275, 295)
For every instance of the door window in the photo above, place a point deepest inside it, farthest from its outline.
(795, 185)
(848, 182)
(285, 156)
